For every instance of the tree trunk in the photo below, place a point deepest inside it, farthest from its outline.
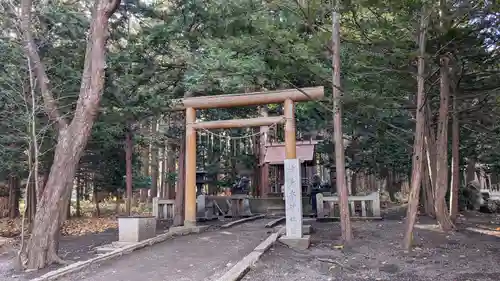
(430, 146)
(79, 183)
(181, 182)
(455, 162)
(68, 209)
(71, 140)
(354, 182)
(345, 221)
(145, 152)
(264, 187)
(442, 214)
(41, 188)
(162, 185)
(129, 146)
(418, 146)
(96, 198)
(470, 171)
(31, 200)
(170, 182)
(14, 196)
(391, 185)
(441, 186)
(428, 191)
(154, 161)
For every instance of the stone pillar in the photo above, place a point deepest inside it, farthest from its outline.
(293, 199)
(190, 183)
(293, 189)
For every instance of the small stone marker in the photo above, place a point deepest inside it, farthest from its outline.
(293, 198)
(136, 229)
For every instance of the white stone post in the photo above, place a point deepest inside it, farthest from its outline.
(293, 199)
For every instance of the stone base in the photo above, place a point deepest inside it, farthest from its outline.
(296, 243)
(136, 229)
(307, 229)
(183, 230)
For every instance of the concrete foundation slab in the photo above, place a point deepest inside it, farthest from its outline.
(296, 243)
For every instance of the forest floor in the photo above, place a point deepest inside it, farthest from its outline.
(376, 253)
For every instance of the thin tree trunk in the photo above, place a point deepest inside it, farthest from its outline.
(154, 161)
(345, 221)
(430, 147)
(470, 171)
(170, 182)
(418, 146)
(455, 162)
(145, 153)
(163, 176)
(14, 194)
(441, 187)
(181, 182)
(129, 146)
(31, 200)
(391, 185)
(79, 181)
(43, 245)
(428, 191)
(96, 202)
(68, 209)
(442, 214)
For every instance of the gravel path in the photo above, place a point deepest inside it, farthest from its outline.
(199, 257)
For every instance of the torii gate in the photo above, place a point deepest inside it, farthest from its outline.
(293, 189)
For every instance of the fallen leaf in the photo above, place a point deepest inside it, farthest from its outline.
(82, 226)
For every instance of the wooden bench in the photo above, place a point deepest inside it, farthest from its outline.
(370, 206)
(163, 208)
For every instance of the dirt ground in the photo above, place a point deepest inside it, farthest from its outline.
(376, 254)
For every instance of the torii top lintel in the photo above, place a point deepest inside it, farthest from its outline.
(245, 99)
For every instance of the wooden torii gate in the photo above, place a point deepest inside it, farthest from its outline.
(288, 97)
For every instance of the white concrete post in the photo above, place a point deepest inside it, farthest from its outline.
(293, 199)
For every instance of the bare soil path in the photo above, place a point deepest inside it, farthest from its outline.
(376, 254)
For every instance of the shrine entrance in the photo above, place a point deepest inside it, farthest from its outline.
(293, 198)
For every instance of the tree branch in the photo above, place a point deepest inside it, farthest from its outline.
(51, 107)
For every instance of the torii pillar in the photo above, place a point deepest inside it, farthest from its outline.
(293, 185)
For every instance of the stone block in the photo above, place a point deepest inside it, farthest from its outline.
(296, 243)
(307, 229)
(136, 229)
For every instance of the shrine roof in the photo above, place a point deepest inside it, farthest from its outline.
(275, 152)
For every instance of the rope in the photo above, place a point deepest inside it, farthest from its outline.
(238, 137)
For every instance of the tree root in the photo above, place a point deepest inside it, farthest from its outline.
(56, 259)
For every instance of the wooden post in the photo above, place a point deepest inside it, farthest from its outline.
(190, 183)
(290, 145)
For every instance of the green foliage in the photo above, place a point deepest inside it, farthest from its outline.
(199, 47)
